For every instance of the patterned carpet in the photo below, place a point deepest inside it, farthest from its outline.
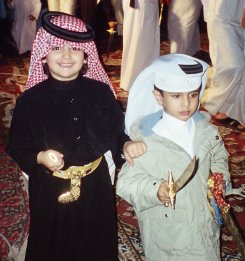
(14, 207)
(14, 216)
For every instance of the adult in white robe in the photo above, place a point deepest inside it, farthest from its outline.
(65, 6)
(183, 27)
(226, 92)
(117, 4)
(26, 12)
(141, 39)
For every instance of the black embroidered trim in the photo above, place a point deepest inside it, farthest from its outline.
(191, 69)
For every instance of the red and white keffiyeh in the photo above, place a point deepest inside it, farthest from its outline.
(44, 42)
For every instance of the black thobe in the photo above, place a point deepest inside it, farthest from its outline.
(82, 120)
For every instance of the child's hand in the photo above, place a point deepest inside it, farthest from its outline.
(133, 149)
(51, 159)
(162, 193)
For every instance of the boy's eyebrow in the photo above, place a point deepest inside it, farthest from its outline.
(176, 93)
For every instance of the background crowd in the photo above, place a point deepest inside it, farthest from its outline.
(138, 22)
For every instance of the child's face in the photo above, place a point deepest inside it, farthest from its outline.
(180, 105)
(65, 62)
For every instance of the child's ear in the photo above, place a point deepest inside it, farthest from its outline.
(158, 97)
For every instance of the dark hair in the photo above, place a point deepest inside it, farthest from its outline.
(84, 68)
(159, 90)
(45, 69)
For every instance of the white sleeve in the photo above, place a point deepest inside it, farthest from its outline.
(111, 165)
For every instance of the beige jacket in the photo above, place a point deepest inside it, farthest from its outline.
(189, 232)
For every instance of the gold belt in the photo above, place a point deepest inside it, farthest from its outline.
(75, 174)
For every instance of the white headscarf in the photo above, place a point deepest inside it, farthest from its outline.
(172, 73)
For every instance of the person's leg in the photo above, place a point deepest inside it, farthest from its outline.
(226, 93)
(117, 4)
(39, 20)
(87, 10)
(141, 39)
(53, 5)
(183, 28)
(68, 6)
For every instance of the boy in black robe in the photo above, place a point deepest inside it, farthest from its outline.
(68, 117)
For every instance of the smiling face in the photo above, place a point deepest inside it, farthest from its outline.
(180, 105)
(65, 62)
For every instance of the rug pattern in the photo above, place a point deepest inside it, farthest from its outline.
(14, 215)
(14, 206)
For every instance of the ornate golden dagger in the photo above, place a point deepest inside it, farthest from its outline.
(75, 174)
(175, 186)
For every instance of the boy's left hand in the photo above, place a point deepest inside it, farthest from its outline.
(133, 149)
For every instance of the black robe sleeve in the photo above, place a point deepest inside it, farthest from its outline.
(21, 145)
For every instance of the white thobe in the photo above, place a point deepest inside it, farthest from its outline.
(141, 39)
(24, 29)
(65, 6)
(226, 92)
(183, 28)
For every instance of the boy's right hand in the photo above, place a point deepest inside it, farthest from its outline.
(51, 159)
(163, 194)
